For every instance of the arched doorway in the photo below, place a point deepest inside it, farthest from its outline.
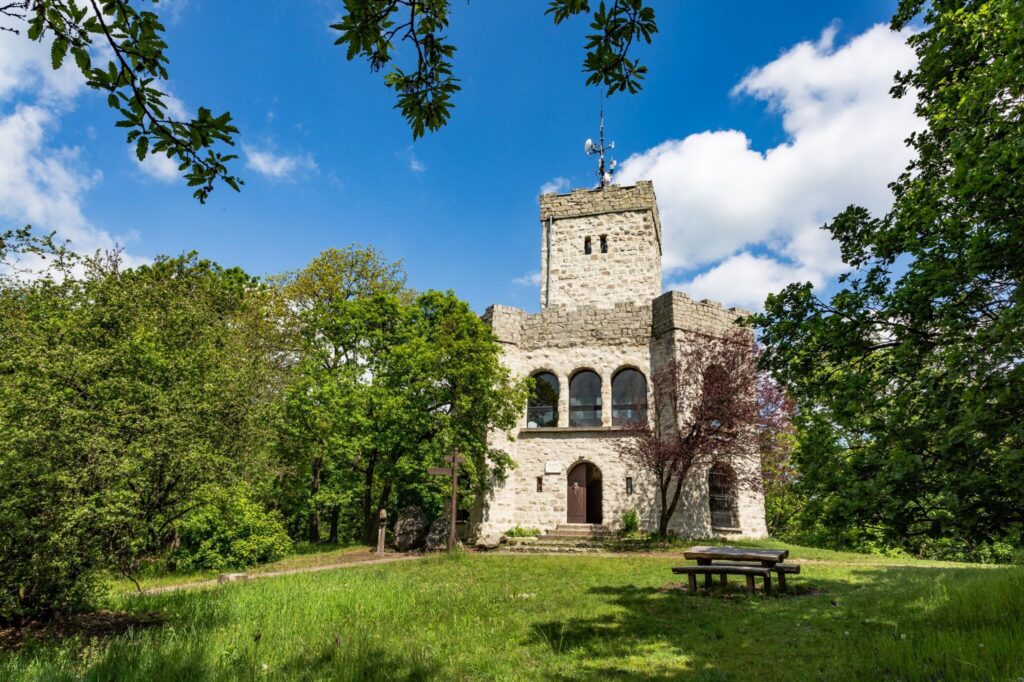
(584, 494)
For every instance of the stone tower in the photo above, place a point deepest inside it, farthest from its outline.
(600, 247)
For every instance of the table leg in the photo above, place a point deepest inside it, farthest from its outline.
(693, 583)
(782, 581)
(768, 583)
(750, 584)
(708, 580)
(723, 579)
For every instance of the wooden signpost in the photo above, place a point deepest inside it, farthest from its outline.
(453, 471)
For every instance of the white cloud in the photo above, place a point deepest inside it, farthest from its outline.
(531, 279)
(720, 199)
(158, 166)
(415, 165)
(42, 184)
(277, 166)
(555, 186)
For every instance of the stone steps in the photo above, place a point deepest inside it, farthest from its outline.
(579, 530)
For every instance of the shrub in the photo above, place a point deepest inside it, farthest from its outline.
(630, 522)
(229, 530)
(519, 532)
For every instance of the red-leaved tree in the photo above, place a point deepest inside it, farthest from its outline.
(709, 411)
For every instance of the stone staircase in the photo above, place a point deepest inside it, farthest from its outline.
(566, 538)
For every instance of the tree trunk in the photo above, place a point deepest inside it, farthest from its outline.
(335, 514)
(369, 524)
(314, 516)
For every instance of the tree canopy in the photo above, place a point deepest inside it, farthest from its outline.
(129, 37)
(909, 380)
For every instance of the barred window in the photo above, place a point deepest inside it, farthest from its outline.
(722, 497)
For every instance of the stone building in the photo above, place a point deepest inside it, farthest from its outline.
(603, 328)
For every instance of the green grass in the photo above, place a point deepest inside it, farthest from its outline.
(494, 616)
(303, 556)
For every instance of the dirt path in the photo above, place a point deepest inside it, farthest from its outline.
(356, 560)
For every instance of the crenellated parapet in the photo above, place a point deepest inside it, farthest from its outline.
(675, 311)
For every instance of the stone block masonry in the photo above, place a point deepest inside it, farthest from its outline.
(600, 247)
(602, 311)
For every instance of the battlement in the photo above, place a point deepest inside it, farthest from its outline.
(612, 199)
(674, 310)
(622, 324)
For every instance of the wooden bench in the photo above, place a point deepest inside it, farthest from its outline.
(723, 570)
(781, 570)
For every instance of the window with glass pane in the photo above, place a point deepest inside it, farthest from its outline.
(722, 497)
(542, 409)
(585, 399)
(629, 398)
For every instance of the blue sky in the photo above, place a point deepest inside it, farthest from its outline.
(758, 122)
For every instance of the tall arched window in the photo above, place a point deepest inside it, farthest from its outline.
(629, 398)
(585, 399)
(722, 497)
(542, 409)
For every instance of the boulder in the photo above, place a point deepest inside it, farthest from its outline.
(437, 538)
(410, 529)
(489, 541)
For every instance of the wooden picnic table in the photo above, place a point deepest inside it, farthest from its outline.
(750, 563)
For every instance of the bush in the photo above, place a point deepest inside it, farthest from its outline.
(230, 530)
(520, 532)
(630, 522)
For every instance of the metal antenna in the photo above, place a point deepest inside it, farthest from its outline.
(604, 173)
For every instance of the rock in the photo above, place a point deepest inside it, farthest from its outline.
(231, 577)
(437, 538)
(489, 541)
(410, 529)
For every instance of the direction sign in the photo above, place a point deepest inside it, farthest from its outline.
(455, 458)
(439, 471)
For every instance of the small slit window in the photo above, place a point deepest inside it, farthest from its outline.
(604, 243)
(540, 484)
(588, 248)
(629, 485)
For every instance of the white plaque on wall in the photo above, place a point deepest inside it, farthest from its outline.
(552, 467)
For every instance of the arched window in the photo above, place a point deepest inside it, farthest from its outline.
(585, 399)
(629, 398)
(542, 409)
(722, 497)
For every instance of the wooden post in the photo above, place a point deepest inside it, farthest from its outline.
(724, 579)
(455, 489)
(382, 526)
(750, 584)
(693, 582)
(782, 581)
(453, 471)
(768, 583)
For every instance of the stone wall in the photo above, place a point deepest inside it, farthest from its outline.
(601, 312)
(630, 271)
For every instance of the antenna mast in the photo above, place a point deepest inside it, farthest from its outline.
(604, 173)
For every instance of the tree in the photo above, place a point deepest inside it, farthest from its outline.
(387, 384)
(708, 413)
(909, 380)
(336, 311)
(137, 68)
(122, 394)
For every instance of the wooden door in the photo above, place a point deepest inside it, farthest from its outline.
(577, 500)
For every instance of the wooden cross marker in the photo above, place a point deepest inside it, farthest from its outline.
(453, 471)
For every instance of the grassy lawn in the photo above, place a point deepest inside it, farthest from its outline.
(496, 616)
(303, 557)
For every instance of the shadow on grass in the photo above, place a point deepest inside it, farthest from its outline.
(837, 622)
